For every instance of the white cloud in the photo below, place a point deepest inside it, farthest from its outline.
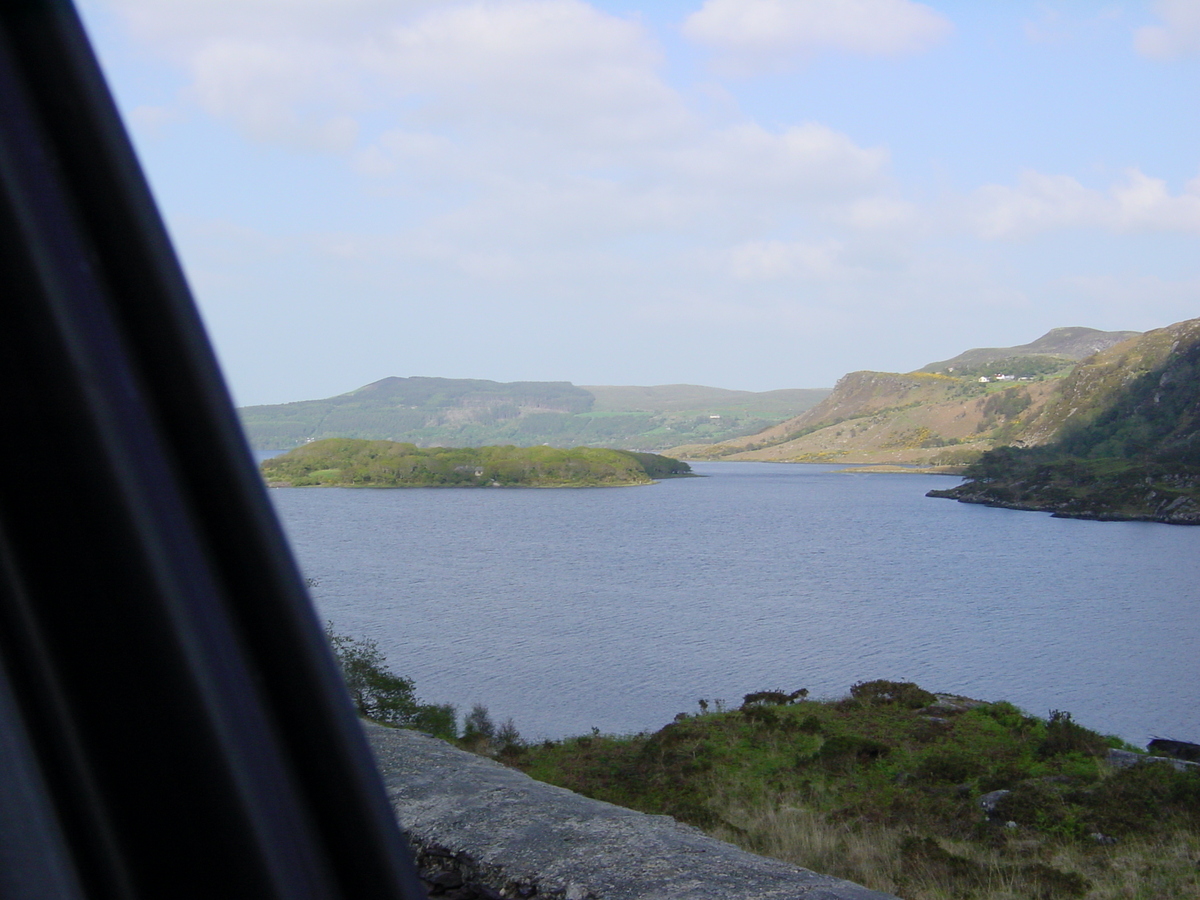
(880, 213)
(769, 35)
(294, 70)
(1042, 202)
(280, 70)
(759, 260)
(178, 26)
(556, 67)
(1179, 35)
(554, 113)
(535, 148)
(1052, 26)
(810, 159)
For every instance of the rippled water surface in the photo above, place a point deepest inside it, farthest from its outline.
(619, 607)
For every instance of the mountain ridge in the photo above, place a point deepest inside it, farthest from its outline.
(457, 412)
(1074, 343)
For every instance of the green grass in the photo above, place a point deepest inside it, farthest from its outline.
(883, 788)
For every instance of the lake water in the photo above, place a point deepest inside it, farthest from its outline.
(617, 608)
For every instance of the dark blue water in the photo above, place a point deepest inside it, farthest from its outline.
(619, 607)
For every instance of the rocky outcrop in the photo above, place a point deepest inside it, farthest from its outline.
(1072, 491)
(1123, 759)
(480, 829)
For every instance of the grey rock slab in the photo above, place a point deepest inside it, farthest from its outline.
(989, 800)
(1123, 759)
(523, 838)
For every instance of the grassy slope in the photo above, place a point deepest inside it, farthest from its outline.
(362, 463)
(464, 412)
(882, 417)
(930, 418)
(884, 789)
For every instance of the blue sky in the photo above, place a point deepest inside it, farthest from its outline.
(750, 194)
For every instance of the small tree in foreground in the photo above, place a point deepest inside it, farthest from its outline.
(481, 734)
(383, 696)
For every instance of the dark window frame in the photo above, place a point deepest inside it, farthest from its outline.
(172, 722)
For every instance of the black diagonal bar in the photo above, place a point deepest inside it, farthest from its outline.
(176, 722)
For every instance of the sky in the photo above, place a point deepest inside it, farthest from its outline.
(748, 194)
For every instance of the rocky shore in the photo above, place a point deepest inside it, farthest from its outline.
(1171, 499)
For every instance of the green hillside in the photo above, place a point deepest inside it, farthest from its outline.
(938, 418)
(342, 462)
(929, 796)
(1120, 440)
(471, 412)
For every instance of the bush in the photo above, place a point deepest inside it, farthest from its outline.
(383, 696)
(1064, 735)
(905, 693)
(952, 765)
(481, 735)
(773, 698)
(843, 751)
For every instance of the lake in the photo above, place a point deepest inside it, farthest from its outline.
(616, 608)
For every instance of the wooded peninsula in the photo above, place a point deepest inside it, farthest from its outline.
(346, 462)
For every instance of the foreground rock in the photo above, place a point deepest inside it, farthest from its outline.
(480, 828)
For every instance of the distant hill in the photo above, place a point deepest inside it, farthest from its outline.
(1119, 439)
(943, 415)
(1064, 345)
(459, 412)
(690, 398)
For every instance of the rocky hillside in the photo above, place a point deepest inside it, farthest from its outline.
(1120, 439)
(942, 416)
(1151, 381)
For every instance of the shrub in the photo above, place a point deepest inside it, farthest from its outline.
(1144, 799)
(764, 715)
(904, 693)
(481, 735)
(383, 696)
(478, 728)
(773, 698)
(1064, 735)
(951, 765)
(1006, 715)
(810, 725)
(844, 750)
